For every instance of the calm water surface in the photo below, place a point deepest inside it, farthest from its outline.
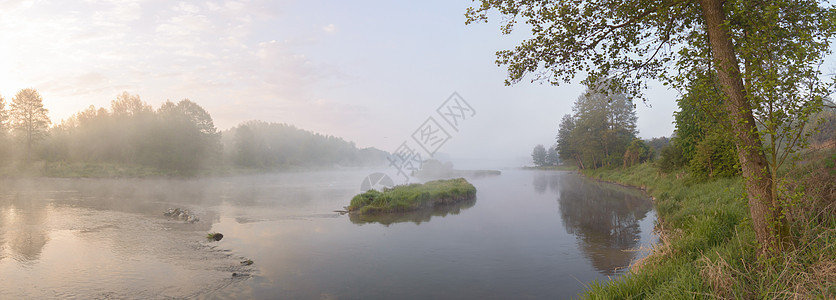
(528, 234)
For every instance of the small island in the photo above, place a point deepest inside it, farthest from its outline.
(406, 198)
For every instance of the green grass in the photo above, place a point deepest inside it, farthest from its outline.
(404, 198)
(708, 248)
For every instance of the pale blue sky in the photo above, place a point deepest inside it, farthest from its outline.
(367, 71)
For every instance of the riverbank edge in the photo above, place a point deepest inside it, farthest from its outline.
(660, 273)
(708, 248)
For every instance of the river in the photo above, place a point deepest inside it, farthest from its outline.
(527, 235)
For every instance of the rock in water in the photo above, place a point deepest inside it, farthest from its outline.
(183, 215)
(172, 212)
(217, 236)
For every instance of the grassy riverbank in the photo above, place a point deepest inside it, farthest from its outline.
(708, 247)
(403, 198)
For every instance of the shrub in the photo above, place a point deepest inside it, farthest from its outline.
(672, 158)
(714, 156)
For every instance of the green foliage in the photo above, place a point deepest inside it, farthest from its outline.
(403, 198)
(552, 159)
(765, 55)
(697, 113)
(599, 131)
(714, 156)
(672, 157)
(637, 152)
(703, 136)
(619, 40)
(657, 144)
(567, 148)
(782, 44)
(539, 155)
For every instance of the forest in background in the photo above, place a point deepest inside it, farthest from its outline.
(131, 138)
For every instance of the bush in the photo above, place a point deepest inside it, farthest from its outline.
(672, 158)
(637, 152)
(714, 156)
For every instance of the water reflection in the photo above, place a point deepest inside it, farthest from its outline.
(24, 231)
(143, 197)
(106, 239)
(416, 217)
(541, 182)
(604, 218)
(117, 243)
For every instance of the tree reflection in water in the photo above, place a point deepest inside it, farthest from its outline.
(23, 226)
(603, 217)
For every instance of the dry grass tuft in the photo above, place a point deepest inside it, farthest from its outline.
(718, 274)
(819, 281)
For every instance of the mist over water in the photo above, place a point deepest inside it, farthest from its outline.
(528, 234)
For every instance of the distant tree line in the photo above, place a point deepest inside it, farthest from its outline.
(262, 145)
(176, 139)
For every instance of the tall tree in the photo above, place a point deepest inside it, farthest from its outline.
(4, 128)
(538, 155)
(566, 146)
(4, 117)
(552, 159)
(632, 41)
(29, 118)
(599, 131)
(186, 137)
(129, 105)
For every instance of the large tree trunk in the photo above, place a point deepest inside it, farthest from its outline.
(765, 213)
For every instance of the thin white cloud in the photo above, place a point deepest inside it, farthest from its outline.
(330, 28)
(235, 5)
(186, 8)
(213, 6)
